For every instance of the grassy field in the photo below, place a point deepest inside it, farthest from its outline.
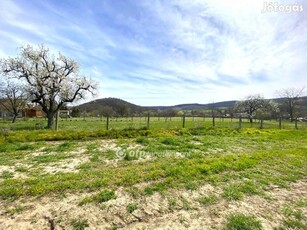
(199, 177)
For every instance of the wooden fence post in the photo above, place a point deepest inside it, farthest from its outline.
(148, 120)
(261, 123)
(280, 122)
(240, 122)
(183, 121)
(296, 123)
(107, 125)
(57, 120)
(213, 121)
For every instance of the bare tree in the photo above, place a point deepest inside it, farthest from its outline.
(292, 98)
(50, 81)
(252, 104)
(13, 98)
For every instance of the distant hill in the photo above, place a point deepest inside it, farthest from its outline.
(118, 107)
(111, 106)
(195, 106)
(111, 102)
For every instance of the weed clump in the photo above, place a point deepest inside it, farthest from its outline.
(101, 197)
(242, 222)
(131, 207)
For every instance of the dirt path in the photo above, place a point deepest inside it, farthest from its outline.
(153, 212)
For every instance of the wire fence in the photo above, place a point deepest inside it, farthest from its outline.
(197, 122)
(148, 122)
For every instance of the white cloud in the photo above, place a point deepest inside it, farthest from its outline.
(169, 52)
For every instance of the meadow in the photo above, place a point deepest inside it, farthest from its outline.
(165, 177)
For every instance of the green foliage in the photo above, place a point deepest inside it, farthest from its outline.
(185, 203)
(103, 196)
(130, 157)
(110, 154)
(16, 210)
(294, 217)
(48, 158)
(64, 147)
(236, 191)
(91, 147)
(21, 169)
(172, 203)
(242, 222)
(11, 147)
(142, 140)
(293, 224)
(134, 192)
(6, 175)
(169, 141)
(207, 200)
(131, 207)
(79, 224)
(232, 192)
(190, 185)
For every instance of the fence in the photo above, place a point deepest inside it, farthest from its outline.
(148, 122)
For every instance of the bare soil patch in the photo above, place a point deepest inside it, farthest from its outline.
(153, 212)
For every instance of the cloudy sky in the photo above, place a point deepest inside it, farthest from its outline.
(166, 52)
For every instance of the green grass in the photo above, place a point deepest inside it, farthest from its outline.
(237, 190)
(238, 221)
(294, 217)
(51, 158)
(79, 224)
(208, 200)
(238, 163)
(101, 197)
(131, 207)
(241, 162)
(172, 203)
(79, 129)
(64, 147)
(6, 175)
(16, 210)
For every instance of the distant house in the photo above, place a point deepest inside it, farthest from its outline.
(33, 111)
(65, 112)
(3, 111)
(243, 115)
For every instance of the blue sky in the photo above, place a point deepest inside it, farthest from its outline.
(165, 52)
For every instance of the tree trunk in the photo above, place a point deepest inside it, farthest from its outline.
(14, 118)
(250, 119)
(50, 117)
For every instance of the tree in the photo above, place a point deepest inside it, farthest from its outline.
(50, 81)
(75, 112)
(13, 98)
(122, 109)
(252, 104)
(269, 110)
(292, 97)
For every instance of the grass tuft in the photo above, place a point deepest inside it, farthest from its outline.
(207, 200)
(101, 197)
(242, 222)
(131, 207)
(79, 224)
